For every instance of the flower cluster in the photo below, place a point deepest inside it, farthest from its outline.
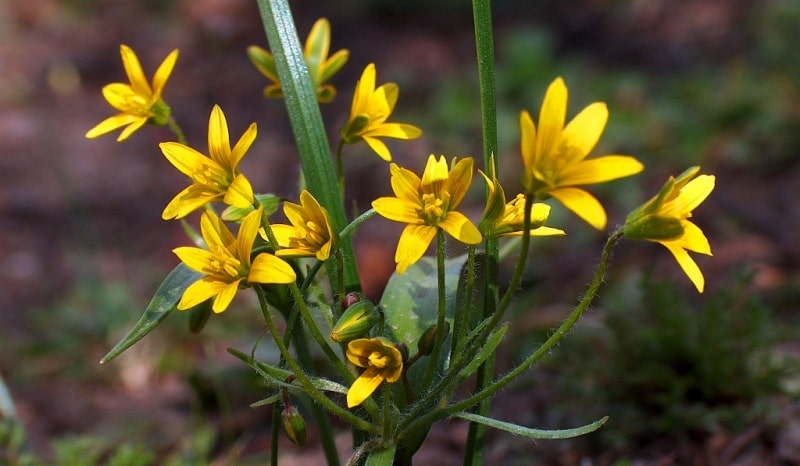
(288, 256)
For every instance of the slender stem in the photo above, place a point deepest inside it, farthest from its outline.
(176, 129)
(484, 47)
(308, 386)
(340, 167)
(387, 411)
(439, 335)
(348, 230)
(563, 329)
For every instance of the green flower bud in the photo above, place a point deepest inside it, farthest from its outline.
(427, 340)
(294, 426)
(653, 228)
(356, 321)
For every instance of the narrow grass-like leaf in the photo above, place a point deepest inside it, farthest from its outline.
(164, 301)
(486, 351)
(277, 376)
(532, 433)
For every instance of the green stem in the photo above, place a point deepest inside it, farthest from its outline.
(439, 335)
(461, 317)
(348, 230)
(340, 168)
(484, 47)
(308, 386)
(387, 411)
(563, 329)
(176, 129)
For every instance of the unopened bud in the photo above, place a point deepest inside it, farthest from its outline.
(428, 339)
(294, 426)
(350, 299)
(356, 321)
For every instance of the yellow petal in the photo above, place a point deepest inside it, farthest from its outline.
(248, 230)
(386, 95)
(399, 210)
(111, 123)
(200, 291)
(134, 71)
(600, 169)
(435, 170)
(215, 233)
(378, 147)
(460, 228)
(239, 193)
(364, 386)
(394, 130)
(583, 132)
(225, 296)
(187, 160)
(688, 265)
(459, 181)
(124, 98)
(583, 204)
(283, 234)
(693, 239)
(414, 241)
(241, 147)
(364, 89)
(131, 128)
(691, 196)
(163, 72)
(186, 202)
(219, 145)
(267, 268)
(551, 118)
(316, 48)
(405, 184)
(527, 140)
(195, 258)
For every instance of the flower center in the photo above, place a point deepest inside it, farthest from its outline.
(214, 178)
(225, 265)
(434, 208)
(377, 359)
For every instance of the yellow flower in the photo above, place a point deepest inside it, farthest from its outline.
(555, 156)
(214, 178)
(383, 362)
(226, 264)
(320, 67)
(138, 102)
(310, 233)
(369, 112)
(501, 218)
(664, 219)
(428, 204)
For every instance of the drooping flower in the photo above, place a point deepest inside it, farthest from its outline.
(554, 157)
(214, 178)
(383, 362)
(138, 102)
(426, 205)
(226, 264)
(664, 219)
(501, 218)
(310, 233)
(369, 112)
(320, 66)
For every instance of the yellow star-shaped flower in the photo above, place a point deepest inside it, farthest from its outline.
(310, 233)
(383, 361)
(426, 205)
(664, 219)
(315, 52)
(554, 156)
(214, 178)
(138, 102)
(369, 112)
(226, 264)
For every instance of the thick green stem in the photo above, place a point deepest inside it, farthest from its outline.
(563, 329)
(484, 46)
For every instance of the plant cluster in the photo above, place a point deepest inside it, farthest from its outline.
(392, 368)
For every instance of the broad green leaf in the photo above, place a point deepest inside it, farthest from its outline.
(532, 433)
(410, 304)
(164, 301)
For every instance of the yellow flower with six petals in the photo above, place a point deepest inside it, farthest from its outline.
(383, 362)
(501, 218)
(369, 112)
(226, 264)
(426, 205)
(310, 233)
(213, 178)
(138, 102)
(554, 155)
(315, 52)
(664, 219)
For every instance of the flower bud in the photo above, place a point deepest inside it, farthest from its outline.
(356, 321)
(428, 339)
(653, 228)
(294, 426)
(350, 299)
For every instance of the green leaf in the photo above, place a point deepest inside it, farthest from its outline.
(532, 433)
(383, 456)
(277, 376)
(164, 302)
(410, 303)
(267, 401)
(486, 351)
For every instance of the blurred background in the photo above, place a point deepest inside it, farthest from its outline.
(685, 379)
